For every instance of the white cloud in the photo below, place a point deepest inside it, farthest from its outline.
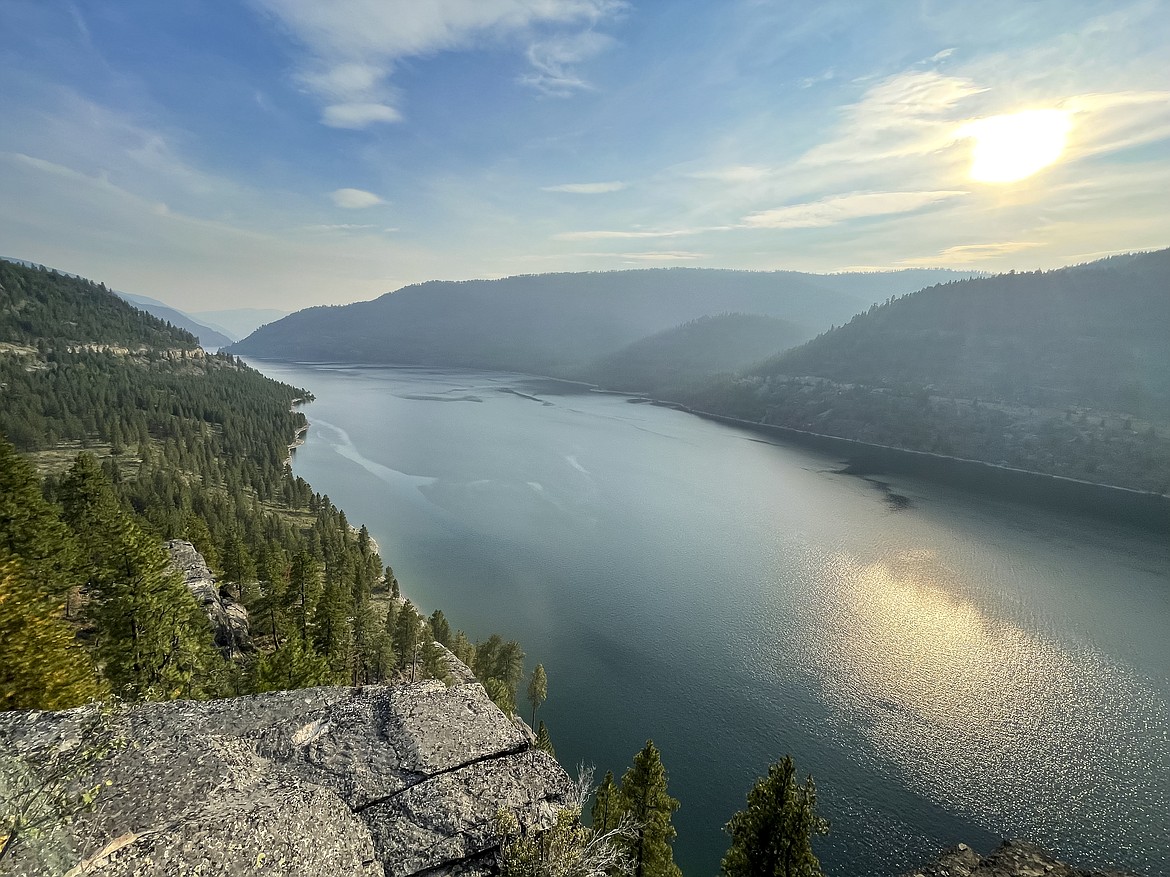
(553, 62)
(355, 199)
(743, 173)
(358, 115)
(907, 114)
(651, 256)
(354, 44)
(967, 254)
(842, 208)
(586, 188)
(620, 235)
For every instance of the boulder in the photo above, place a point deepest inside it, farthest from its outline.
(229, 619)
(328, 781)
(1013, 858)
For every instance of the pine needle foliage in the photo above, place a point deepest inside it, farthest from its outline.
(772, 836)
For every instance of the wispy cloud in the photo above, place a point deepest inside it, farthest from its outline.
(554, 62)
(842, 208)
(602, 235)
(650, 256)
(903, 115)
(586, 188)
(743, 173)
(968, 254)
(339, 226)
(354, 45)
(355, 199)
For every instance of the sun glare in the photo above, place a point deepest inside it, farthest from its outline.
(1011, 147)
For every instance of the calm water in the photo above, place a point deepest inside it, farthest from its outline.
(958, 670)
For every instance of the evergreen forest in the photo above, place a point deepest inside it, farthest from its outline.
(119, 433)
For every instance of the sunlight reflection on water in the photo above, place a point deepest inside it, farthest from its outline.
(979, 713)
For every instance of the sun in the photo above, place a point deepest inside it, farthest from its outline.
(1014, 146)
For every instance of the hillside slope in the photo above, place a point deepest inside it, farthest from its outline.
(209, 337)
(1095, 334)
(667, 362)
(1065, 372)
(554, 323)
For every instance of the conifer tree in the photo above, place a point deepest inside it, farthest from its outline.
(41, 664)
(304, 585)
(332, 634)
(30, 528)
(606, 812)
(772, 836)
(441, 627)
(544, 741)
(433, 659)
(537, 689)
(644, 798)
(153, 640)
(407, 638)
(293, 665)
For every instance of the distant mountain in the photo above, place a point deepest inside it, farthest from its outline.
(209, 338)
(38, 304)
(558, 323)
(238, 323)
(1096, 334)
(667, 362)
(1065, 372)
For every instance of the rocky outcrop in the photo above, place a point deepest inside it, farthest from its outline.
(329, 781)
(1014, 858)
(229, 619)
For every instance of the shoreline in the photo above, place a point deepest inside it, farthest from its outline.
(1140, 508)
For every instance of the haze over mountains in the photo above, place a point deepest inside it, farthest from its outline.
(214, 329)
(559, 323)
(1065, 372)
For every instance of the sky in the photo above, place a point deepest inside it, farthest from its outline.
(286, 153)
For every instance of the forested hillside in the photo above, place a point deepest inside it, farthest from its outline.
(208, 337)
(558, 323)
(1065, 372)
(675, 360)
(139, 437)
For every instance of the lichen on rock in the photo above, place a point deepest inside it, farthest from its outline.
(327, 781)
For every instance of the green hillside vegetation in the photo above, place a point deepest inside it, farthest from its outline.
(557, 323)
(207, 336)
(668, 362)
(141, 437)
(1065, 372)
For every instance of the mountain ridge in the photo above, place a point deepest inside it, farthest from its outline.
(554, 323)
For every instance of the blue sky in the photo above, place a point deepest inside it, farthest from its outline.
(284, 153)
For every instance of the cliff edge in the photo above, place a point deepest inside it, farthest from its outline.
(329, 781)
(1013, 858)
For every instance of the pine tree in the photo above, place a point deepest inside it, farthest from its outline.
(153, 640)
(30, 528)
(407, 638)
(441, 627)
(293, 665)
(772, 836)
(644, 798)
(544, 741)
(304, 586)
(606, 812)
(537, 689)
(41, 664)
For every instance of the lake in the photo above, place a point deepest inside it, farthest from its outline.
(950, 668)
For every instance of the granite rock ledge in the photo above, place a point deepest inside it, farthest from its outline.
(1013, 858)
(394, 780)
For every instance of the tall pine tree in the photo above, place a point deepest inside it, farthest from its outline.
(153, 640)
(772, 836)
(643, 796)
